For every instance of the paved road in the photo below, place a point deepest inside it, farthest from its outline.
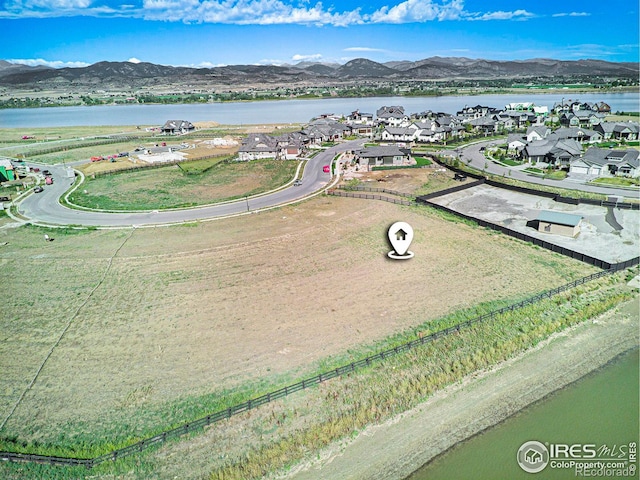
(478, 161)
(45, 208)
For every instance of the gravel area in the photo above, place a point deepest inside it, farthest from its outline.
(612, 235)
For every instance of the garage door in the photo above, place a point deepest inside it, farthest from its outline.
(577, 169)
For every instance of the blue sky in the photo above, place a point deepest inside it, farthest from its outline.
(226, 32)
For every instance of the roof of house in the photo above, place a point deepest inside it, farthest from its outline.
(603, 156)
(382, 151)
(177, 125)
(400, 131)
(259, 142)
(559, 218)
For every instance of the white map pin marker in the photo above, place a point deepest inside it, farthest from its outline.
(400, 236)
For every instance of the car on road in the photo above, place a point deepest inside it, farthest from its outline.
(297, 183)
(46, 173)
(38, 190)
(326, 169)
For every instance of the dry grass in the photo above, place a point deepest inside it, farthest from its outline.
(190, 311)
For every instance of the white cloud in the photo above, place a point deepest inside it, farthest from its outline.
(258, 12)
(502, 15)
(134, 60)
(33, 62)
(364, 49)
(572, 14)
(307, 58)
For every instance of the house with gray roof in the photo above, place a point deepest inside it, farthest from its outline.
(257, 146)
(398, 134)
(485, 125)
(325, 130)
(581, 135)
(383, 155)
(602, 162)
(177, 127)
(537, 132)
(393, 116)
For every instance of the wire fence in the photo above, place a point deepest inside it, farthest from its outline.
(253, 403)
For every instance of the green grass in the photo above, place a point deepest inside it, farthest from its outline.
(423, 161)
(168, 187)
(555, 174)
(198, 167)
(617, 181)
(488, 344)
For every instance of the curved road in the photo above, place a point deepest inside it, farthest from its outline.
(475, 158)
(45, 208)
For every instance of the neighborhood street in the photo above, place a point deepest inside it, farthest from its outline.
(473, 156)
(45, 208)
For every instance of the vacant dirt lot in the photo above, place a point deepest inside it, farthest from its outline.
(605, 233)
(193, 310)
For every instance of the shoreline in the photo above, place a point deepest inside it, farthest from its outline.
(403, 444)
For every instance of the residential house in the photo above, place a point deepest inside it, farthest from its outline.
(484, 125)
(563, 152)
(393, 116)
(582, 135)
(515, 143)
(468, 113)
(608, 163)
(537, 132)
(177, 127)
(361, 123)
(257, 146)
(398, 134)
(325, 130)
(292, 145)
(552, 151)
(581, 118)
(627, 131)
(384, 155)
(428, 132)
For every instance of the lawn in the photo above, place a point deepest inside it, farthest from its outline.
(172, 187)
(184, 319)
(617, 181)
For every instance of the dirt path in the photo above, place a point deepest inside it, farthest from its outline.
(400, 446)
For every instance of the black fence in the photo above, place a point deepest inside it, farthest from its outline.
(536, 241)
(90, 143)
(227, 413)
(366, 196)
(364, 188)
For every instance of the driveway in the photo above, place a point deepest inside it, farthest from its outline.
(45, 207)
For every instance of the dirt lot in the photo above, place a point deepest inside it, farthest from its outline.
(609, 234)
(188, 311)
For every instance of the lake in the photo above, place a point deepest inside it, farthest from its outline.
(601, 409)
(282, 111)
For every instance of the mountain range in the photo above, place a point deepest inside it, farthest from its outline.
(136, 75)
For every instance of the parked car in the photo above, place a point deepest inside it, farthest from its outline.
(35, 169)
(48, 180)
(38, 190)
(46, 173)
(5, 199)
(297, 183)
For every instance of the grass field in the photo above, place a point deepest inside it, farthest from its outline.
(171, 187)
(187, 316)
